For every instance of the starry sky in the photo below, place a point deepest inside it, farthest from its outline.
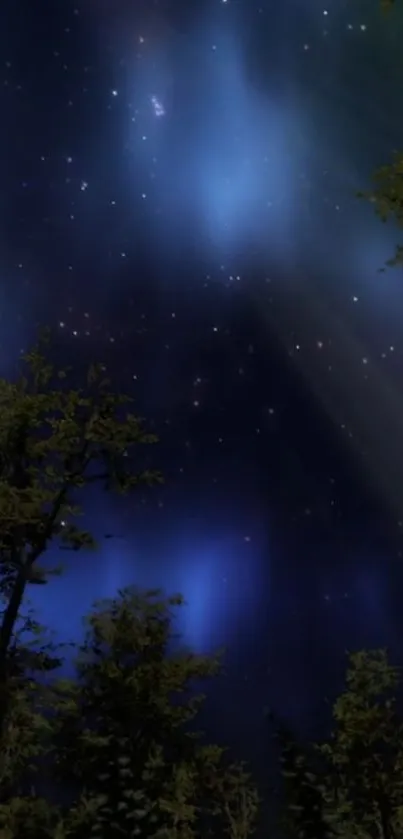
(179, 201)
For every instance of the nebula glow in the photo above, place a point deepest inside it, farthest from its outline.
(231, 167)
(224, 158)
(218, 577)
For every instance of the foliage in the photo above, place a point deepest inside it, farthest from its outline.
(122, 739)
(127, 729)
(27, 738)
(387, 197)
(55, 440)
(364, 756)
(33, 817)
(28, 817)
(387, 192)
(387, 5)
(352, 784)
(304, 812)
(27, 732)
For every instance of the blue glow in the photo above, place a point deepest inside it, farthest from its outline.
(226, 167)
(220, 579)
(223, 156)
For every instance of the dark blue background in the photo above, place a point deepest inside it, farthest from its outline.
(216, 258)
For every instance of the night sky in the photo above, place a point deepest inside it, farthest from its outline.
(178, 200)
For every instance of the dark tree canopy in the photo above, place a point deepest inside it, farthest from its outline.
(387, 183)
(351, 785)
(56, 440)
(123, 739)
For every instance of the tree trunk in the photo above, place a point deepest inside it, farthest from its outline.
(387, 831)
(6, 631)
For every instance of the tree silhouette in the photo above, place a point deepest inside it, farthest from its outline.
(364, 754)
(122, 739)
(55, 440)
(303, 811)
(387, 184)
